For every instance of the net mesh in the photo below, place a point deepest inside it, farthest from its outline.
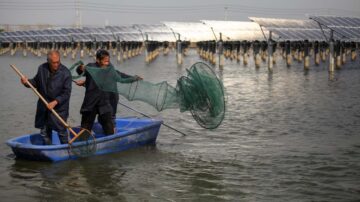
(200, 92)
(84, 145)
(73, 69)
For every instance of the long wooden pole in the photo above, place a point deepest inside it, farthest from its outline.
(46, 103)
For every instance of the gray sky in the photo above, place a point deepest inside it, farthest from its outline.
(62, 12)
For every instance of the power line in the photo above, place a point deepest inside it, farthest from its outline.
(141, 7)
(162, 9)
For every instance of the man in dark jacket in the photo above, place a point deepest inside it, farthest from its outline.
(53, 81)
(97, 101)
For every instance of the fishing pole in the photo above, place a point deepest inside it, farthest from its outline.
(150, 117)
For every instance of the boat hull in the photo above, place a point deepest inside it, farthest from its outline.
(131, 133)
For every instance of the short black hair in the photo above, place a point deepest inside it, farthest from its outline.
(101, 54)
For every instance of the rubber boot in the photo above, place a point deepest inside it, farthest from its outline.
(63, 136)
(46, 135)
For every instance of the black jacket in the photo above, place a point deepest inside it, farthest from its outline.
(95, 99)
(52, 86)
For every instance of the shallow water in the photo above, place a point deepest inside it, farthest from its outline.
(287, 136)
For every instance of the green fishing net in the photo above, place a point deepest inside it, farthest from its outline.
(73, 70)
(84, 145)
(200, 92)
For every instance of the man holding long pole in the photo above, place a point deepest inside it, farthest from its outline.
(53, 82)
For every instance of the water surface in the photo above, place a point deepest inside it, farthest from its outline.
(287, 136)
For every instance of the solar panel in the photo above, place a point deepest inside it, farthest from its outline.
(81, 37)
(236, 30)
(155, 32)
(293, 30)
(285, 23)
(28, 38)
(152, 27)
(347, 28)
(348, 33)
(7, 33)
(332, 21)
(17, 33)
(130, 36)
(15, 39)
(125, 29)
(161, 36)
(57, 32)
(191, 31)
(103, 37)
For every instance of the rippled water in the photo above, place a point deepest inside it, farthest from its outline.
(287, 136)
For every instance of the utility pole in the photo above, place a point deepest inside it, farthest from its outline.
(225, 13)
(78, 14)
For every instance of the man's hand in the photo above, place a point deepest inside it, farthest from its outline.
(52, 104)
(137, 78)
(80, 82)
(24, 80)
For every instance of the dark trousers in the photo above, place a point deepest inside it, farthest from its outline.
(114, 99)
(46, 133)
(88, 119)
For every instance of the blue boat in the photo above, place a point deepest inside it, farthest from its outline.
(130, 133)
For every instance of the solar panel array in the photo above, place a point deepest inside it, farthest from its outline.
(345, 28)
(32, 36)
(294, 30)
(348, 28)
(110, 33)
(236, 30)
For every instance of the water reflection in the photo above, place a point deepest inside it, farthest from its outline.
(270, 76)
(220, 73)
(334, 76)
(306, 73)
(205, 182)
(86, 179)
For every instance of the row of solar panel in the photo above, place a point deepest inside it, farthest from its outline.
(345, 28)
(318, 28)
(110, 33)
(332, 21)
